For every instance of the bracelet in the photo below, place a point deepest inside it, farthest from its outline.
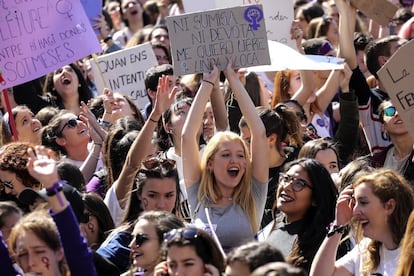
(210, 82)
(105, 123)
(333, 229)
(106, 39)
(152, 120)
(55, 189)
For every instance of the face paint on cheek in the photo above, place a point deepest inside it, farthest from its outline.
(45, 260)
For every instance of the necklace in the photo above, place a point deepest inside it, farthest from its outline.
(229, 198)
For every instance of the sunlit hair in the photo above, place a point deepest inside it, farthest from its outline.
(281, 87)
(44, 228)
(14, 158)
(405, 267)
(242, 194)
(387, 184)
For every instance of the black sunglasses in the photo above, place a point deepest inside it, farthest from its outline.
(156, 163)
(141, 238)
(186, 233)
(71, 124)
(6, 184)
(297, 183)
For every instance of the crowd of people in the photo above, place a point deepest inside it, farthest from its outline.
(221, 173)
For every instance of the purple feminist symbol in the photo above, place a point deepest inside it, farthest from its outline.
(253, 15)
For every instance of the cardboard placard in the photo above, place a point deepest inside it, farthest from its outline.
(278, 15)
(381, 11)
(237, 33)
(397, 76)
(40, 36)
(124, 72)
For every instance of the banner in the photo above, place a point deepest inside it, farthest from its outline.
(124, 72)
(238, 33)
(39, 36)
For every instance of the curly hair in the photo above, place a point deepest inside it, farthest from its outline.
(14, 159)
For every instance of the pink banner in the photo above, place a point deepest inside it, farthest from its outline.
(39, 36)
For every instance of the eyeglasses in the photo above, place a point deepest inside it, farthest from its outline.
(186, 233)
(301, 116)
(297, 183)
(6, 184)
(390, 111)
(156, 163)
(72, 123)
(141, 238)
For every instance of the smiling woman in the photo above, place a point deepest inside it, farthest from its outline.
(28, 128)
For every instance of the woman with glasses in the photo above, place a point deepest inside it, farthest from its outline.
(377, 205)
(190, 251)
(147, 238)
(28, 128)
(399, 155)
(69, 136)
(144, 184)
(305, 205)
(229, 184)
(14, 176)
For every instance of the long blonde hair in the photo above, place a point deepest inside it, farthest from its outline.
(242, 194)
(405, 267)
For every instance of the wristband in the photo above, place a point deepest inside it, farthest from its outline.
(106, 39)
(55, 189)
(207, 81)
(105, 124)
(333, 229)
(152, 120)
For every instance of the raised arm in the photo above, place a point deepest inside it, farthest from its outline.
(189, 138)
(326, 93)
(138, 150)
(79, 257)
(324, 262)
(259, 144)
(347, 21)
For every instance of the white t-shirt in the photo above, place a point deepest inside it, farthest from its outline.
(352, 261)
(112, 203)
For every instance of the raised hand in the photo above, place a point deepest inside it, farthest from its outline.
(344, 206)
(164, 98)
(42, 166)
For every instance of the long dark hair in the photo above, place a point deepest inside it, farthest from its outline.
(317, 217)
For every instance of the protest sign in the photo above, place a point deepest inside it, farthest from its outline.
(278, 15)
(285, 58)
(124, 72)
(397, 76)
(381, 11)
(92, 9)
(238, 33)
(40, 36)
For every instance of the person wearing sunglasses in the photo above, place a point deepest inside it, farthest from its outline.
(190, 251)
(14, 176)
(305, 205)
(69, 136)
(147, 238)
(399, 155)
(229, 182)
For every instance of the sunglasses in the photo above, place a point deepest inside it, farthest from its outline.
(390, 111)
(297, 183)
(6, 184)
(72, 123)
(141, 238)
(154, 163)
(301, 116)
(85, 217)
(183, 233)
